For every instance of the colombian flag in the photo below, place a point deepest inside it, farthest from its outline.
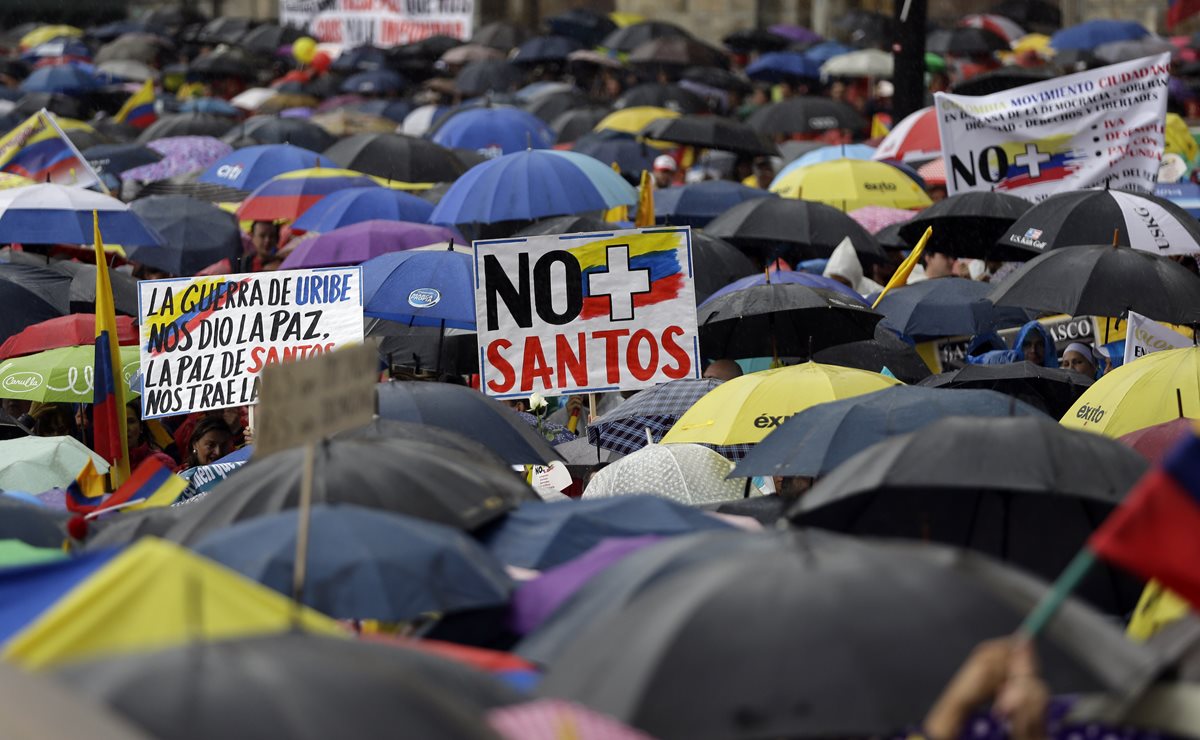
(138, 111)
(151, 485)
(86, 491)
(39, 150)
(109, 399)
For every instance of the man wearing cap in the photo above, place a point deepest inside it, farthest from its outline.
(664, 171)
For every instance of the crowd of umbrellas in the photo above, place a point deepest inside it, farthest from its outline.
(809, 541)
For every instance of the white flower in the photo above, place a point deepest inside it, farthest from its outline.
(537, 402)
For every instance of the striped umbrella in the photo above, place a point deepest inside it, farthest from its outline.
(913, 139)
(289, 195)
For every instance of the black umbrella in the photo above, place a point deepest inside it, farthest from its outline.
(1098, 216)
(1104, 281)
(147, 48)
(468, 412)
(567, 225)
(186, 124)
(360, 59)
(1036, 15)
(551, 105)
(807, 228)
(57, 103)
(663, 663)
(711, 132)
(716, 263)
(781, 320)
(754, 39)
(545, 50)
(889, 238)
(397, 157)
(500, 35)
(84, 139)
(1025, 489)
(867, 28)
(630, 37)
(301, 685)
(267, 38)
(587, 25)
(804, 115)
(946, 307)
(116, 158)
(416, 348)
(82, 291)
(660, 95)
(968, 225)
(1048, 388)
(223, 30)
(132, 525)
(34, 525)
(197, 234)
(573, 124)
(885, 350)
(673, 53)
(115, 130)
(224, 62)
(497, 76)
(413, 478)
(30, 294)
(404, 430)
(722, 79)
(999, 80)
(965, 41)
(630, 153)
(275, 130)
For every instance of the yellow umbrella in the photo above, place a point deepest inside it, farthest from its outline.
(1039, 43)
(154, 594)
(626, 19)
(1148, 391)
(850, 184)
(42, 34)
(1179, 139)
(633, 120)
(746, 409)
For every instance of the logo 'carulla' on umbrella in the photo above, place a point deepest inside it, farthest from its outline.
(424, 298)
(25, 381)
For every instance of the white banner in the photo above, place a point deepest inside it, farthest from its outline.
(583, 313)
(1147, 335)
(382, 23)
(204, 340)
(1100, 128)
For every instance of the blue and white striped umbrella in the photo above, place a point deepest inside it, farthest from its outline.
(61, 214)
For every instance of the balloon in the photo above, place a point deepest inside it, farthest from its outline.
(303, 49)
(321, 61)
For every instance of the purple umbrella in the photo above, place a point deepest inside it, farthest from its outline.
(536, 600)
(181, 155)
(296, 113)
(357, 243)
(798, 34)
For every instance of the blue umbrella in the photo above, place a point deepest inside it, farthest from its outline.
(364, 563)
(68, 79)
(1090, 34)
(493, 131)
(215, 106)
(246, 169)
(818, 439)
(530, 185)
(630, 154)
(699, 203)
(788, 276)
(946, 307)
(542, 536)
(780, 66)
(545, 49)
(374, 82)
(60, 214)
(355, 205)
(420, 288)
(60, 47)
(825, 51)
(828, 153)
(393, 110)
(1186, 195)
(360, 58)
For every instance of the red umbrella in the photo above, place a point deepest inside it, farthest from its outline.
(65, 331)
(915, 139)
(1156, 441)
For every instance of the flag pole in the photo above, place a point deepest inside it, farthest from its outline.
(48, 117)
(1049, 605)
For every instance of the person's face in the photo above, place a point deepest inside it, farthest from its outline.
(662, 178)
(939, 265)
(1035, 351)
(209, 448)
(262, 236)
(133, 427)
(1073, 360)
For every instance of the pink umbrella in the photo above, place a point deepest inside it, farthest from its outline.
(357, 243)
(555, 719)
(181, 155)
(933, 173)
(914, 139)
(877, 218)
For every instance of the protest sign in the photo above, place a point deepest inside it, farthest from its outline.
(204, 340)
(585, 312)
(303, 402)
(1103, 127)
(382, 23)
(1144, 336)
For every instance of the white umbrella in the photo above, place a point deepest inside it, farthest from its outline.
(687, 473)
(864, 63)
(253, 98)
(61, 214)
(37, 464)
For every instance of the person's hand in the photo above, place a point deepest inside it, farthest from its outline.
(1023, 698)
(977, 681)
(248, 435)
(574, 405)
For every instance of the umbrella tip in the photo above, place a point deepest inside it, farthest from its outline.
(1116, 237)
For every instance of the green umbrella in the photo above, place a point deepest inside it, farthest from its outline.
(40, 463)
(60, 375)
(934, 63)
(16, 552)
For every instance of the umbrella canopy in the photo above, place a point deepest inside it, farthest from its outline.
(365, 564)
(494, 131)
(249, 167)
(468, 412)
(632, 36)
(422, 288)
(710, 132)
(488, 76)
(396, 157)
(634, 119)
(1155, 441)
(716, 263)
(744, 410)
(1039, 15)
(545, 50)
(69, 79)
(374, 82)
(60, 214)
(968, 225)
(827, 153)
(289, 195)
(357, 243)
(196, 233)
(965, 41)
(946, 307)
(543, 536)
(677, 648)
(699, 203)
(849, 184)
(83, 287)
(1047, 388)
(1104, 281)
(805, 115)
(315, 687)
(117, 158)
(1150, 390)
(186, 124)
(32, 525)
(529, 185)
(885, 350)
(1137, 220)
(877, 218)
(629, 153)
(686, 473)
(812, 229)
(913, 139)
(783, 66)
(657, 95)
(276, 130)
(815, 441)
(781, 320)
(355, 205)
(654, 410)
(587, 25)
(499, 35)
(779, 277)
(63, 375)
(29, 295)
(865, 63)
(65, 331)
(1090, 34)
(181, 155)
(1025, 490)
(746, 40)
(672, 53)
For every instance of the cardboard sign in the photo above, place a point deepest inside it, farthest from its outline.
(382, 23)
(579, 313)
(1099, 128)
(204, 340)
(306, 401)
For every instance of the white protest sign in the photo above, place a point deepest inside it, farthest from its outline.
(384, 23)
(581, 313)
(204, 340)
(1099, 128)
(1147, 335)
